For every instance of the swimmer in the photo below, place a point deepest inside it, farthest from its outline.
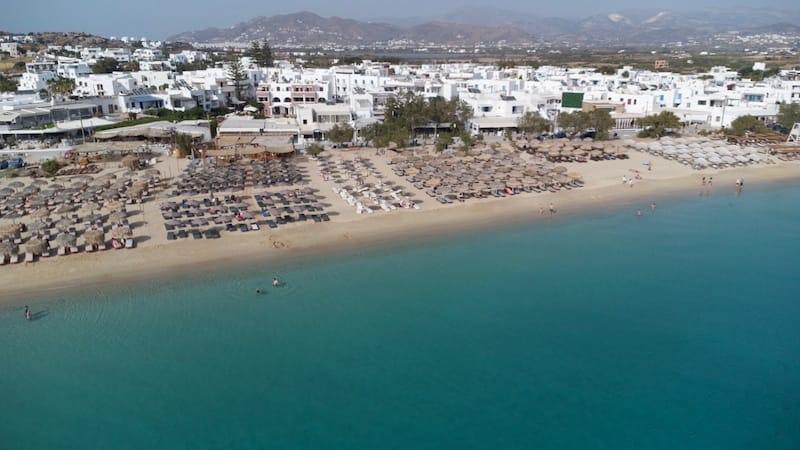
(258, 291)
(275, 282)
(27, 313)
(639, 213)
(653, 206)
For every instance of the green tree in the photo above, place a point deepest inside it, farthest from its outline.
(657, 125)
(788, 115)
(314, 149)
(238, 77)
(573, 122)
(60, 86)
(7, 84)
(746, 124)
(340, 133)
(607, 70)
(601, 121)
(261, 54)
(105, 65)
(443, 141)
(532, 123)
(212, 128)
(184, 144)
(51, 167)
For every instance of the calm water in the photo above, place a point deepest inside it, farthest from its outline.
(679, 329)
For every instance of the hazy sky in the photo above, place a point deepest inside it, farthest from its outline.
(157, 19)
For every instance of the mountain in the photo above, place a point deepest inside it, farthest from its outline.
(491, 26)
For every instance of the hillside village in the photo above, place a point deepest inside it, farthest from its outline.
(307, 102)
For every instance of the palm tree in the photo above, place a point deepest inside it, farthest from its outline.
(60, 87)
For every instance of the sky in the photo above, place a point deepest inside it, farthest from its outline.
(157, 19)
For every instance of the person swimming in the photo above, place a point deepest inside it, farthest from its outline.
(275, 282)
(258, 291)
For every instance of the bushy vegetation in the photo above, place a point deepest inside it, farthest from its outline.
(577, 122)
(745, 125)
(658, 125)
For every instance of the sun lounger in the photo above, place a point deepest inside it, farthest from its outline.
(61, 251)
(74, 249)
(254, 226)
(129, 243)
(170, 236)
(14, 259)
(101, 247)
(28, 257)
(2, 260)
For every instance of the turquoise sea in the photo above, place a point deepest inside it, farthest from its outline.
(679, 329)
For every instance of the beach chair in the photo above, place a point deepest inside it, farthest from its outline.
(129, 243)
(2, 260)
(89, 248)
(61, 251)
(28, 257)
(74, 249)
(101, 247)
(13, 259)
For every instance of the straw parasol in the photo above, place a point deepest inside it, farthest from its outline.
(63, 240)
(118, 216)
(121, 232)
(8, 249)
(36, 246)
(38, 225)
(40, 213)
(11, 230)
(94, 237)
(64, 224)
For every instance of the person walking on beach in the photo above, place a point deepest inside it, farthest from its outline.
(710, 180)
(624, 179)
(630, 182)
(27, 313)
(552, 209)
(638, 213)
(704, 181)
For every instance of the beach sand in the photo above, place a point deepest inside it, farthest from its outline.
(156, 258)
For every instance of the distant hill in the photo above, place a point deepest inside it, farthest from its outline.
(486, 25)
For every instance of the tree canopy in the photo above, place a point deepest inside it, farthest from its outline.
(7, 84)
(406, 113)
(657, 125)
(61, 86)
(105, 65)
(746, 124)
(238, 77)
(261, 53)
(599, 121)
(532, 123)
(788, 115)
(340, 133)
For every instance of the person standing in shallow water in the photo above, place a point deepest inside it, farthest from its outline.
(27, 313)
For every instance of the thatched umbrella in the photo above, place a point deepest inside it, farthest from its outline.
(11, 230)
(63, 209)
(40, 213)
(118, 216)
(38, 225)
(16, 185)
(36, 246)
(559, 169)
(64, 224)
(94, 237)
(8, 249)
(122, 232)
(63, 240)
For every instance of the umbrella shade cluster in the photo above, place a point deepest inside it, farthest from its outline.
(210, 177)
(699, 152)
(577, 150)
(481, 175)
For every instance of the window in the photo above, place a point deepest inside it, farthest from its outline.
(701, 103)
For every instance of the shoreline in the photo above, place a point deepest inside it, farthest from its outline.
(345, 235)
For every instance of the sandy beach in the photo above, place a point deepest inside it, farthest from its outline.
(155, 257)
